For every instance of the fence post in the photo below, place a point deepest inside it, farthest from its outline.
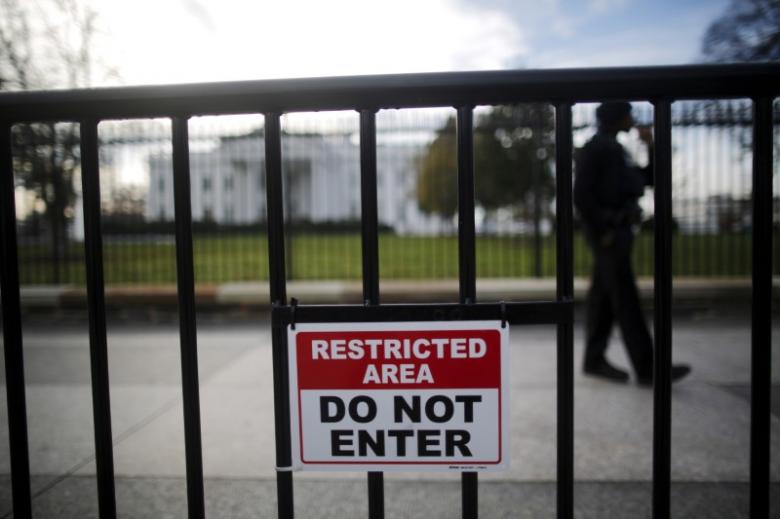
(662, 361)
(185, 274)
(278, 288)
(761, 325)
(565, 292)
(98, 346)
(467, 260)
(370, 250)
(12, 333)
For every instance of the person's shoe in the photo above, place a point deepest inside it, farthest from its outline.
(678, 371)
(604, 369)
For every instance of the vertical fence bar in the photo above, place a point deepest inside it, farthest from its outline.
(185, 276)
(466, 229)
(370, 248)
(467, 260)
(275, 209)
(12, 333)
(369, 212)
(537, 166)
(98, 347)
(662, 361)
(278, 290)
(565, 292)
(761, 326)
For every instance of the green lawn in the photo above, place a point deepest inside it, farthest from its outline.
(220, 258)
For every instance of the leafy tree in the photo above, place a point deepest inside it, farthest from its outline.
(512, 146)
(437, 189)
(513, 151)
(748, 30)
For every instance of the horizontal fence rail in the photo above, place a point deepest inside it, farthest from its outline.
(396, 91)
(367, 95)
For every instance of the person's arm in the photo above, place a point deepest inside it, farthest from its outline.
(646, 135)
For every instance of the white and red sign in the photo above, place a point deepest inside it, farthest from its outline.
(399, 396)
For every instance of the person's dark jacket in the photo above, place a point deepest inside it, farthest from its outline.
(608, 185)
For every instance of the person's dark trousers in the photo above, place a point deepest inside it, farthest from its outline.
(613, 296)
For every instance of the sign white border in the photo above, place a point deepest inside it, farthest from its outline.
(298, 464)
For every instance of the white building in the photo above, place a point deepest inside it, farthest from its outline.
(321, 174)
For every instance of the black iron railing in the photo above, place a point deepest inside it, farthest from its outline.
(562, 88)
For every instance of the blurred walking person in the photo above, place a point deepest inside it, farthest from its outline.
(607, 189)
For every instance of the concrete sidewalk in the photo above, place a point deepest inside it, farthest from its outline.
(613, 430)
(255, 295)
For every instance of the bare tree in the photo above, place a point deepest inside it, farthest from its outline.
(748, 30)
(45, 45)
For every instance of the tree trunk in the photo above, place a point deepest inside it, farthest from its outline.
(56, 258)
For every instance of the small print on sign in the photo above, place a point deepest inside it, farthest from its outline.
(399, 396)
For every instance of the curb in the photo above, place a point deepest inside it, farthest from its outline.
(255, 295)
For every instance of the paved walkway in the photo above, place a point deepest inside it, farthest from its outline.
(613, 429)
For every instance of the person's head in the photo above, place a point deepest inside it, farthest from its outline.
(615, 116)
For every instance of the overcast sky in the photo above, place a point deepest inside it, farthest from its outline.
(172, 41)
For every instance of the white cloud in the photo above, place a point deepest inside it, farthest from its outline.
(606, 6)
(564, 26)
(200, 12)
(602, 6)
(162, 42)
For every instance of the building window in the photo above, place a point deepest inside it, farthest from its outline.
(240, 166)
(161, 183)
(229, 183)
(206, 184)
(296, 188)
(261, 179)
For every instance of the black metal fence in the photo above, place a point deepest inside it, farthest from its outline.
(560, 88)
(711, 204)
